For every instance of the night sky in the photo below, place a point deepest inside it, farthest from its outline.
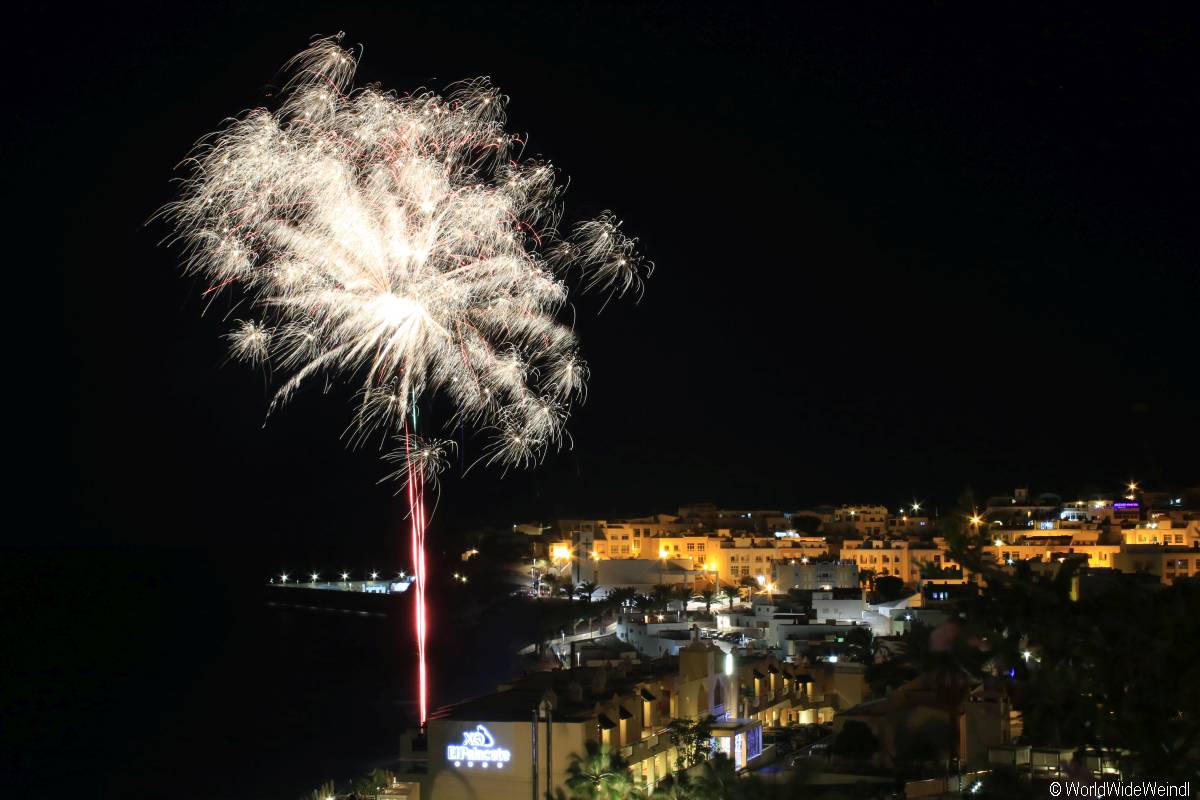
(901, 248)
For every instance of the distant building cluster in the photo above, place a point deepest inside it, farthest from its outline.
(837, 547)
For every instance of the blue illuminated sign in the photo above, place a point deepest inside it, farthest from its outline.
(478, 747)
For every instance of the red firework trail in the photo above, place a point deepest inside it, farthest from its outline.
(416, 508)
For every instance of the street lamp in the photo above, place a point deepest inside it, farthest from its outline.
(374, 575)
(345, 577)
(314, 577)
(283, 578)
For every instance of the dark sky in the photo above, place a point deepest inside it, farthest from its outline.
(901, 248)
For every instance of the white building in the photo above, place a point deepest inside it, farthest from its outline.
(815, 575)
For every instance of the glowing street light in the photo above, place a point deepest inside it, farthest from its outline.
(976, 519)
(916, 506)
(314, 577)
(345, 576)
(283, 578)
(374, 575)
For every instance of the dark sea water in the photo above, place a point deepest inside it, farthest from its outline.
(152, 673)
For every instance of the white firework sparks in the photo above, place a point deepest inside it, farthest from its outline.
(418, 458)
(249, 341)
(390, 240)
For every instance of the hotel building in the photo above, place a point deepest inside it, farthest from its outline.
(520, 741)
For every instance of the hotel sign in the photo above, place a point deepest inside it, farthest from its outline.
(478, 747)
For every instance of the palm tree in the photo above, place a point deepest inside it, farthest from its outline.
(676, 786)
(587, 589)
(731, 593)
(709, 596)
(683, 594)
(600, 774)
(718, 779)
(660, 597)
(621, 595)
(549, 582)
(568, 589)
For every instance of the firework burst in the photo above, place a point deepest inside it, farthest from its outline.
(395, 242)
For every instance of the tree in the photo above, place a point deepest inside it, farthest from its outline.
(692, 740)
(718, 779)
(866, 578)
(709, 596)
(660, 597)
(855, 742)
(682, 593)
(568, 589)
(620, 596)
(676, 786)
(586, 590)
(373, 782)
(1053, 638)
(805, 523)
(889, 587)
(860, 644)
(323, 792)
(599, 774)
(549, 581)
(730, 593)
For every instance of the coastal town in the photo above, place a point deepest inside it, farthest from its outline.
(857, 650)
